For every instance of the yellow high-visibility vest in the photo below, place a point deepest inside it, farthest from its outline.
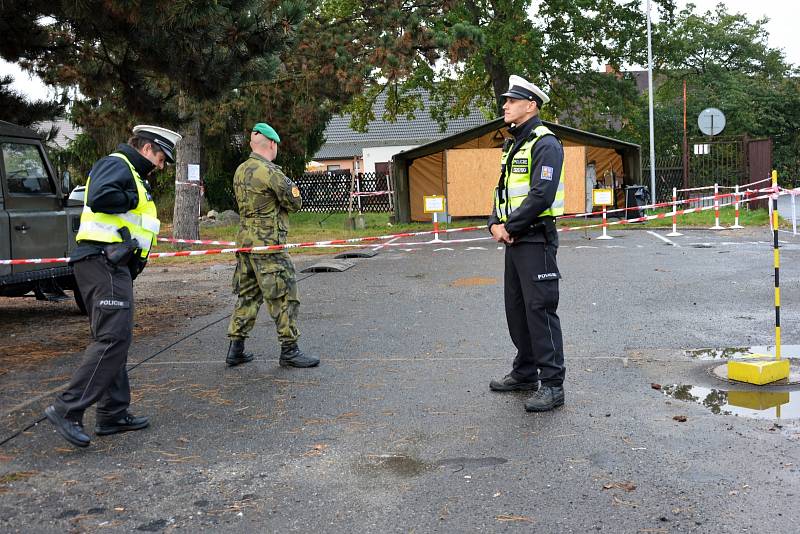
(142, 221)
(517, 180)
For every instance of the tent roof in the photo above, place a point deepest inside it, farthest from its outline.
(564, 132)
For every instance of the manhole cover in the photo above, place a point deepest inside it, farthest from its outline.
(358, 253)
(329, 266)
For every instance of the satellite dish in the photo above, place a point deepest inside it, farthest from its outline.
(711, 121)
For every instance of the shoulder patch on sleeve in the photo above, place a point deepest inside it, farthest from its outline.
(295, 191)
(547, 172)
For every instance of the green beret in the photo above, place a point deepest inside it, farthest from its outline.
(267, 131)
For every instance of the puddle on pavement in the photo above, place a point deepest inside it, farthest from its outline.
(408, 466)
(771, 405)
(474, 281)
(396, 464)
(729, 353)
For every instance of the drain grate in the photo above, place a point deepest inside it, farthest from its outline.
(358, 253)
(329, 266)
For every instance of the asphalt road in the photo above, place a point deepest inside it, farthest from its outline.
(396, 431)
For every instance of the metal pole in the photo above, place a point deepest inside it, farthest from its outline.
(716, 209)
(650, 99)
(605, 225)
(777, 265)
(675, 231)
(736, 209)
(685, 143)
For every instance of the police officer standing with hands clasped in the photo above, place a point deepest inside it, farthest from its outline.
(118, 227)
(265, 197)
(528, 197)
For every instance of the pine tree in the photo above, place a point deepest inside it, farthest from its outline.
(164, 62)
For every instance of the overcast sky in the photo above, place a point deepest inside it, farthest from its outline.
(781, 26)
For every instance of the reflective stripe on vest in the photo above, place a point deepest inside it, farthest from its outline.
(142, 221)
(517, 179)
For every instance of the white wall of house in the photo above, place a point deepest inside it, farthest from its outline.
(379, 154)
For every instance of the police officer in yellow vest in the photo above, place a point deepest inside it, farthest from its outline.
(118, 227)
(528, 197)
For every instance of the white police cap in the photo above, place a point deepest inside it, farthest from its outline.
(163, 138)
(520, 88)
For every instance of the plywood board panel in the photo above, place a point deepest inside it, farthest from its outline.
(472, 175)
(425, 178)
(575, 182)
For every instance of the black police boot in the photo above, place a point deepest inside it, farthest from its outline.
(509, 383)
(69, 429)
(236, 354)
(124, 424)
(545, 399)
(292, 356)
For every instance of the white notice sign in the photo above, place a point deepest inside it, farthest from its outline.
(194, 172)
(602, 197)
(433, 204)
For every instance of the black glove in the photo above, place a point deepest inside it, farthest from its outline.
(121, 253)
(136, 265)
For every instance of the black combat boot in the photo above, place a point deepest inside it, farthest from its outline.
(509, 383)
(69, 429)
(292, 356)
(236, 353)
(545, 399)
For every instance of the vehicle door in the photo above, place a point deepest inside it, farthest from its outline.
(5, 235)
(36, 217)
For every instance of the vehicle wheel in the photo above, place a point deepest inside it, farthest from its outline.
(79, 300)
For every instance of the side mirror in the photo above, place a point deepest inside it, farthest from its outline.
(66, 181)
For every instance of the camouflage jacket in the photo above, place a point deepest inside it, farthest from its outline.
(265, 197)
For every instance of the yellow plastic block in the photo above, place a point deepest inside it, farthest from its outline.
(758, 400)
(758, 372)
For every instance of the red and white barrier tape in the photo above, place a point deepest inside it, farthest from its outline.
(745, 185)
(650, 206)
(195, 241)
(347, 242)
(658, 215)
(264, 248)
(722, 186)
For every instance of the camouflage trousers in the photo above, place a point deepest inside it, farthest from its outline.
(266, 278)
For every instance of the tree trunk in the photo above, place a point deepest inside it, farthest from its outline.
(498, 73)
(185, 218)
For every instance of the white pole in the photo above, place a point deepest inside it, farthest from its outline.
(605, 235)
(736, 208)
(650, 99)
(716, 209)
(794, 218)
(436, 226)
(674, 232)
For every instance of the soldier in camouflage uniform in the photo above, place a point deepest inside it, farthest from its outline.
(265, 197)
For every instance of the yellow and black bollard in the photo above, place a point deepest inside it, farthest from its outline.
(760, 369)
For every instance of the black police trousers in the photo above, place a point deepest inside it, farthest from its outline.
(531, 298)
(102, 377)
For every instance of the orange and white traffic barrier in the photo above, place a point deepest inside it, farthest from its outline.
(605, 226)
(736, 210)
(664, 215)
(674, 232)
(716, 209)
